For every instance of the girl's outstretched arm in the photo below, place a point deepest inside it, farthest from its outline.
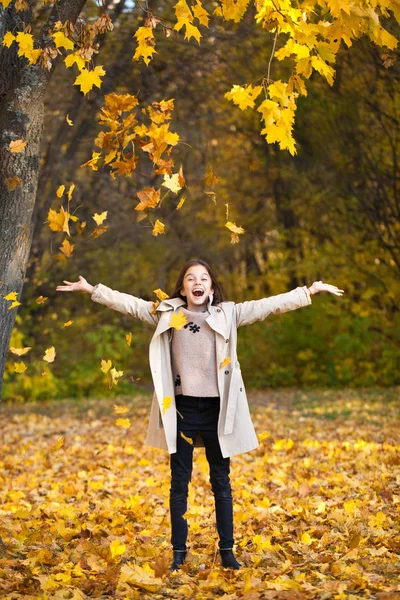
(124, 303)
(258, 310)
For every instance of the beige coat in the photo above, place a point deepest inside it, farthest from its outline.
(235, 428)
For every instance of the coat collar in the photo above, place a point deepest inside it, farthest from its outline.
(214, 320)
(176, 302)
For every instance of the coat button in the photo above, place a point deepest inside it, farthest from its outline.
(226, 372)
(241, 389)
(218, 310)
(227, 341)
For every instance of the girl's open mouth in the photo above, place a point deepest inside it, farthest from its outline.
(198, 293)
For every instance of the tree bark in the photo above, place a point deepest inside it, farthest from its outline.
(22, 93)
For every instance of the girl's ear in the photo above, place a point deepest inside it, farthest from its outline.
(183, 293)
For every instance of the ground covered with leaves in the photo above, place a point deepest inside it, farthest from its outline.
(84, 504)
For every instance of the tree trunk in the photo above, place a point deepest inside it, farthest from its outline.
(22, 93)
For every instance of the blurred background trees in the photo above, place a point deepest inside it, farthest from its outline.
(331, 213)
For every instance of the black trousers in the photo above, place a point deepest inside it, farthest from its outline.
(197, 414)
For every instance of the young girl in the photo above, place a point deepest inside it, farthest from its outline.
(199, 397)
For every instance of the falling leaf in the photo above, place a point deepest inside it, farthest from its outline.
(160, 294)
(128, 338)
(60, 191)
(210, 179)
(149, 198)
(50, 354)
(67, 324)
(20, 367)
(14, 304)
(225, 362)
(70, 191)
(17, 145)
(11, 296)
(124, 423)
(188, 439)
(158, 228)
(70, 123)
(99, 218)
(180, 203)
(172, 182)
(20, 351)
(178, 320)
(235, 231)
(67, 248)
(166, 403)
(59, 221)
(98, 231)
(41, 299)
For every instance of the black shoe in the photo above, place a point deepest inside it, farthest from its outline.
(228, 559)
(179, 559)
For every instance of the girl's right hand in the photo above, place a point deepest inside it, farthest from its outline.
(76, 286)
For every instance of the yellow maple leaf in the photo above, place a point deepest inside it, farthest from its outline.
(160, 294)
(20, 367)
(25, 43)
(145, 48)
(306, 538)
(158, 228)
(41, 299)
(180, 203)
(11, 296)
(58, 221)
(9, 38)
(14, 304)
(99, 218)
(105, 365)
(121, 409)
(67, 248)
(70, 123)
(178, 320)
(20, 351)
(128, 338)
(67, 323)
(149, 198)
(74, 58)
(87, 79)
(115, 375)
(172, 182)
(60, 191)
(244, 96)
(167, 400)
(17, 145)
(188, 439)
(93, 161)
(50, 354)
(61, 40)
(117, 548)
(70, 191)
(225, 362)
(201, 14)
(124, 423)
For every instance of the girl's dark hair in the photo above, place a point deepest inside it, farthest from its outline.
(219, 295)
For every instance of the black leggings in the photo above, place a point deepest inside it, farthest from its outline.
(199, 414)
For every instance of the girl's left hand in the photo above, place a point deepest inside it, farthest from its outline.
(319, 286)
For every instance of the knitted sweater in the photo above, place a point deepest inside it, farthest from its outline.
(193, 357)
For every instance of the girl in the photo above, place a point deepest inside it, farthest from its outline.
(199, 397)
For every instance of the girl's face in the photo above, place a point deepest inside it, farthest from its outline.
(197, 286)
